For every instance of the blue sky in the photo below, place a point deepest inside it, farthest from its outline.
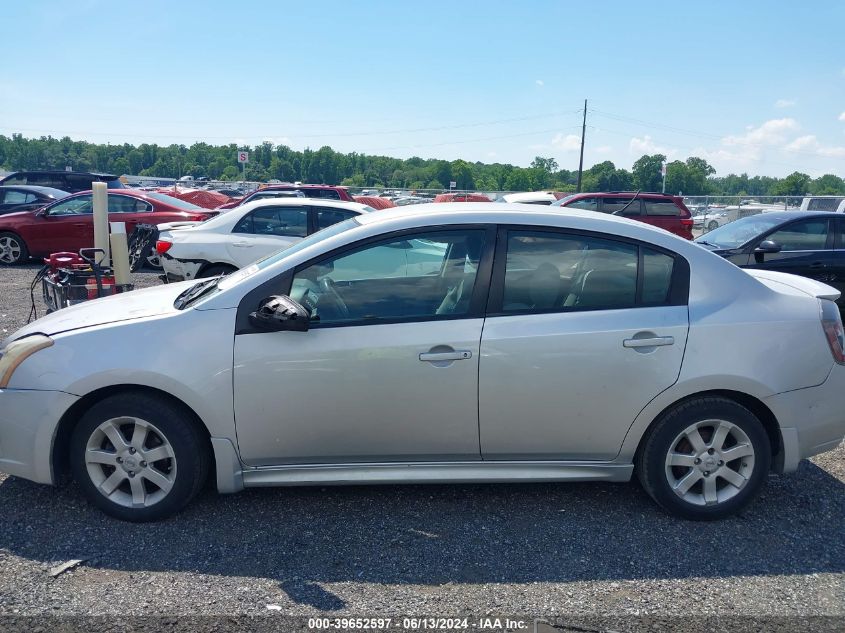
(750, 86)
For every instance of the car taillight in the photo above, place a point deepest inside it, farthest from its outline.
(832, 326)
(686, 222)
(162, 246)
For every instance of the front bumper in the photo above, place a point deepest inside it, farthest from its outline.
(812, 420)
(28, 422)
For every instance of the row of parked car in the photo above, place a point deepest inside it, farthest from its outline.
(195, 242)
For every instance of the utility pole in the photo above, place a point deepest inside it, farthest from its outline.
(581, 161)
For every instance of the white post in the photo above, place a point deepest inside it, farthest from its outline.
(120, 253)
(101, 221)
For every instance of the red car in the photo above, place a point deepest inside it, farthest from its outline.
(325, 192)
(658, 209)
(461, 197)
(68, 224)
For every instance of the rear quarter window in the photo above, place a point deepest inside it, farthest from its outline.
(661, 207)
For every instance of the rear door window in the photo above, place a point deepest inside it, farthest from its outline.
(615, 206)
(803, 235)
(326, 216)
(281, 221)
(661, 207)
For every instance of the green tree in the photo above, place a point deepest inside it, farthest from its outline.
(795, 184)
(647, 172)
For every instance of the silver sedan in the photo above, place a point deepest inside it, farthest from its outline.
(436, 343)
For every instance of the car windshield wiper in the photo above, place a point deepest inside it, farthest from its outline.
(195, 292)
(706, 242)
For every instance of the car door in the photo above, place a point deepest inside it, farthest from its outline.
(66, 225)
(581, 333)
(388, 371)
(806, 249)
(266, 230)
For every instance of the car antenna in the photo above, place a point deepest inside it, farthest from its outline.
(627, 205)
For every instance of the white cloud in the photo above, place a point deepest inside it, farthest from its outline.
(784, 103)
(603, 149)
(842, 117)
(772, 132)
(646, 145)
(811, 144)
(568, 143)
(539, 82)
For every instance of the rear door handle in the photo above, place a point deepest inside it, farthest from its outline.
(434, 357)
(242, 244)
(817, 265)
(657, 341)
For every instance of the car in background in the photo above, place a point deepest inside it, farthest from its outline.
(534, 197)
(72, 181)
(242, 235)
(824, 203)
(27, 197)
(68, 224)
(806, 243)
(658, 209)
(461, 197)
(711, 220)
(376, 202)
(446, 343)
(323, 192)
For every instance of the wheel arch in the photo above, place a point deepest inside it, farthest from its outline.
(59, 464)
(755, 405)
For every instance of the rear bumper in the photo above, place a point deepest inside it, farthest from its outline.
(179, 269)
(28, 421)
(812, 420)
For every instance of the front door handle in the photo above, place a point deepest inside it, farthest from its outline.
(242, 244)
(817, 265)
(435, 357)
(656, 341)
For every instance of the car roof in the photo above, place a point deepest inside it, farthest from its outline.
(639, 194)
(791, 215)
(37, 189)
(298, 202)
(62, 171)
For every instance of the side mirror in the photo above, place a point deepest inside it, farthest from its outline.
(768, 246)
(280, 313)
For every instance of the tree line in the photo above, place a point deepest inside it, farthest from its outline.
(693, 177)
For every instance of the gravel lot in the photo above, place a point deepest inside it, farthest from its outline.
(546, 549)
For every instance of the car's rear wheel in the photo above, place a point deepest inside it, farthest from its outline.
(705, 459)
(713, 225)
(216, 270)
(138, 457)
(13, 249)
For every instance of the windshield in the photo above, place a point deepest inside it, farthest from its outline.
(238, 276)
(174, 202)
(563, 201)
(735, 234)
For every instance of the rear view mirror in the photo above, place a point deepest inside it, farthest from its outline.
(280, 313)
(768, 246)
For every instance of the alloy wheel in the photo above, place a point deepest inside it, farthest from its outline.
(130, 462)
(10, 250)
(709, 462)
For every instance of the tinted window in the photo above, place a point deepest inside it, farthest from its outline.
(805, 235)
(73, 206)
(127, 204)
(326, 194)
(18, 197)
(15, 180)
(280, 221)
(615, 206)
(657, 276)
(590, 204)
(48, 180)
(326, 217)
(78, 182)
(414, 277)
(546, 272)
(660, 207)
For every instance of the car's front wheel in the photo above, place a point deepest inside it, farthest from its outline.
(713, 225)
(12, 249)
(705, 459)
(138, 457)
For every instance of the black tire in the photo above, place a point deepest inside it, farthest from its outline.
(215, 270)
(713, 225)
(653, 471)
(190, 449)
(13, 256)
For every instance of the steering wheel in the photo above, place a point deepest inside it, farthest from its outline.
(329, 288)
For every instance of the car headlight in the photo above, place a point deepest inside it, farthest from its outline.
(17, 352)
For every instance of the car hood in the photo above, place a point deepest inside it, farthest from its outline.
(788, 284)
(137, 304)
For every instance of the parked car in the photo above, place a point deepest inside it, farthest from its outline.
(68, 225)
(27, 197)
(658, 209)
(376, 202)
(461, 197)
(72, 181)
(534, 197)
(806, 243)
(711, 220)
(238, 237)
(441, 343)
(824, 203)
(323, 192)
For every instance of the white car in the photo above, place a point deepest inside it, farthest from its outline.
(440, 343)
(531, 197)
(244, 234)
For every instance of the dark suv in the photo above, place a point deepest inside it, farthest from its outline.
(71, 181)
(659, 209)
